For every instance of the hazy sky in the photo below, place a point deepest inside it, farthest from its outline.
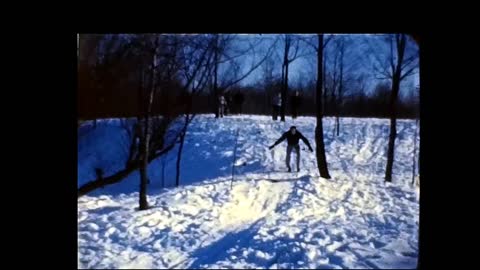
(304, 68)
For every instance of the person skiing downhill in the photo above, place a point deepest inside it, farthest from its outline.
(293, 136)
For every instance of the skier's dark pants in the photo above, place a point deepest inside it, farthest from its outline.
(276, 112)
(289, 151)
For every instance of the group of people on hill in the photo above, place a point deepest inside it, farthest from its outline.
(277, 105)
(228, 106)
(292, 136)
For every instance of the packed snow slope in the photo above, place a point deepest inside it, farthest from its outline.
(270, 218)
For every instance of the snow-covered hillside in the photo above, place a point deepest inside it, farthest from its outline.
(270, 218)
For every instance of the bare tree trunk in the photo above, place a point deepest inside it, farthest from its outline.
(132, 151)
(285, 78)
(321, 158)
(285, 94)
(146, 140)
(324, 85)
(215, 79)
(143, 183)
(391, 147)
(333, 105)
(393, 104)
(337, 123)
(393, 128)
(179, 158)
(340, 89)
(143, 168)
(188, 118)
(100, 183)
(180, 149)
(119, 176)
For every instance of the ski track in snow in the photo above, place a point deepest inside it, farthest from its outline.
(353, 220)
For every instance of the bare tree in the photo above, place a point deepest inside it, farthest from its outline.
(338, 79)
(161, 53)
(312, 42)
(321, 157)
(289, 41)
(319, 47)
(324, 85)
(268, 81)
(145, 140)
(217, 53)
(202, 82)
(163, 60)
(199, 73)
(341, 49)
(334, 81)
(251, 50)
(148, 85)
(400, 62)
(227, 53)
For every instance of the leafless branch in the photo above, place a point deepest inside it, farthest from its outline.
(409, 60)
(307, 41)
(327, 40)
(227, 85)
(408, 73)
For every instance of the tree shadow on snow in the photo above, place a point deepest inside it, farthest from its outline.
(105, 210)
(277, 180)
(244, 247)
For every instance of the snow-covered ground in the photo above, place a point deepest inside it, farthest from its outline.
(353, 220)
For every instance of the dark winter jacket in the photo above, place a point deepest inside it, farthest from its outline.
(292, 139)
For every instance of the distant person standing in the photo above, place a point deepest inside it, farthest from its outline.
(295, 101)
(221, 105)
(276, 104)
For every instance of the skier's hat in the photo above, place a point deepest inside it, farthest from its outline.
(293, 127)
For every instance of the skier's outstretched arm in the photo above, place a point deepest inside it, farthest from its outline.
(284, 136)
(305, 141)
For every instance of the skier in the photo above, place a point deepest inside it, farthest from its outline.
(276, 104)
(292, 136)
